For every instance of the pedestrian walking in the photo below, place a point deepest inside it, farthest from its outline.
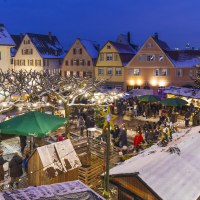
(15, 168)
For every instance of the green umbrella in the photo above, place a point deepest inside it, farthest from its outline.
(173, 102)
(33, 123)
(149, 98)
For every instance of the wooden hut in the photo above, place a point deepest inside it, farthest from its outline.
(169, 173)
(53, 163)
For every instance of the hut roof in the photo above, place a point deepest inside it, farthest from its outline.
(168, 172)
(66, 190)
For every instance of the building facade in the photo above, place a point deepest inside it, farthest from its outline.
(156, 66)
(6, 43)
(110, 63)
(39, 52)
(80, 59)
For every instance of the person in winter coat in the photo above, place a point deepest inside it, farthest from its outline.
(15, 167)
(115, 135)
(22, 143)
(2, 161)
(138, 139)
(123, 137)
(81, 125)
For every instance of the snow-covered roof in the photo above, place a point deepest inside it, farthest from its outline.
(123, 48)
(17, 39)
(170, 175)
(162, 44)
(182, 91)
(65, 190)
(91, 47)
(184, 58)
(47, 45)
(5, 38)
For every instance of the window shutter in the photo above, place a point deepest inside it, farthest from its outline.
(80, 50)
(72, 62)
(74, 51)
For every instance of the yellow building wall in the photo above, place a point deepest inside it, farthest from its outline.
(110, 78)
(111, 63)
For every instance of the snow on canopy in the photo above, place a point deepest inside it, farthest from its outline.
(182, 91)
(47, 45)
(171, 176)
(66, 190)
(5, 38)
(184, 58)
(91, 47)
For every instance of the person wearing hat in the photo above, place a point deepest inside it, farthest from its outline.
(2, 161)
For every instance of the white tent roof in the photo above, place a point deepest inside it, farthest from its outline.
(171, 176)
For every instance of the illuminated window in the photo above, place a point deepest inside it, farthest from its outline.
(134, 72)
(164, 72)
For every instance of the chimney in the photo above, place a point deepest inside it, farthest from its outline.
(50, 35)
(129, 37)
(156, 35)
(2, 25)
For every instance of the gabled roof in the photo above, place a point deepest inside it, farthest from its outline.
(123, 39)
(17, 39)
(184, 58)
(162, 44)
(170, 175)
(5, 38)
(125, 58)
(91, 47)
(48, 46)
(123, 48)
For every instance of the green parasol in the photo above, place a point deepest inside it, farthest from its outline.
(33, 123)
(149, 98)
(173, 102)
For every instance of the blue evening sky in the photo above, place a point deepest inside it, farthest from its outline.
(176, 21)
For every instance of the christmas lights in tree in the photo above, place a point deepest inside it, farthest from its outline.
(197, 79)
